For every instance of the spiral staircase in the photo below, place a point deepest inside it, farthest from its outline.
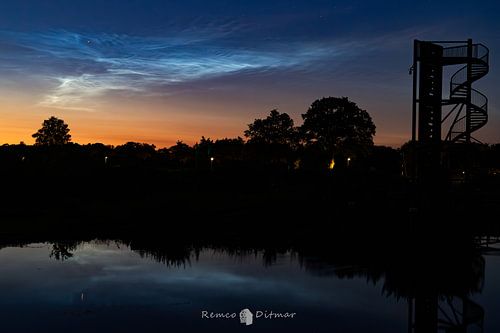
(470, 107)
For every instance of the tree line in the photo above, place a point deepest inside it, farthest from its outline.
(335, 134)
(333, 129)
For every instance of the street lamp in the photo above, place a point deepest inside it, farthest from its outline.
(348, 161)
(211, 163)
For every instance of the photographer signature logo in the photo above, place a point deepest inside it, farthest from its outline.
(246, 317)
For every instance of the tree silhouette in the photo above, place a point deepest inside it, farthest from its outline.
(203, 152)
(54, 131)
(204, 147)
(136, 150)
(338, 125)
(277, 128)
(181, 153)
(229, 148)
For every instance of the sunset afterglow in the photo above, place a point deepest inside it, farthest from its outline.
(163, 72)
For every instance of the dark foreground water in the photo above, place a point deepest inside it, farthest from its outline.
(107, 287)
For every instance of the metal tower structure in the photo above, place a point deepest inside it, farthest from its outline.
(466, 108)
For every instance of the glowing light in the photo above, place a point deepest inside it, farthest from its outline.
(332, 164)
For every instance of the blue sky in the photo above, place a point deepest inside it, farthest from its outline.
(165, 70)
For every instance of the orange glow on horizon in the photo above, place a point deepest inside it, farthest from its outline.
(155, 124)
(114, 128)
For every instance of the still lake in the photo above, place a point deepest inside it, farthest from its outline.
(105, 286)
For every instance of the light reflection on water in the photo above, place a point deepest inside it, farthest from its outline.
(107, 287)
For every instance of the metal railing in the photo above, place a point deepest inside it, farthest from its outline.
(479, 99)
(478, 51)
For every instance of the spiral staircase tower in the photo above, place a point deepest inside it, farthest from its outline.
(466, 108)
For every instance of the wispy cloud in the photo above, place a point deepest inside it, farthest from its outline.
(79, 92)
(88, 66)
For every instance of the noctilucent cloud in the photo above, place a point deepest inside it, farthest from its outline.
(160, 71)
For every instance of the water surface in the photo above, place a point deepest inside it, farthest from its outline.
(107, 287)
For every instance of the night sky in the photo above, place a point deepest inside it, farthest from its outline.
(160, 71)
